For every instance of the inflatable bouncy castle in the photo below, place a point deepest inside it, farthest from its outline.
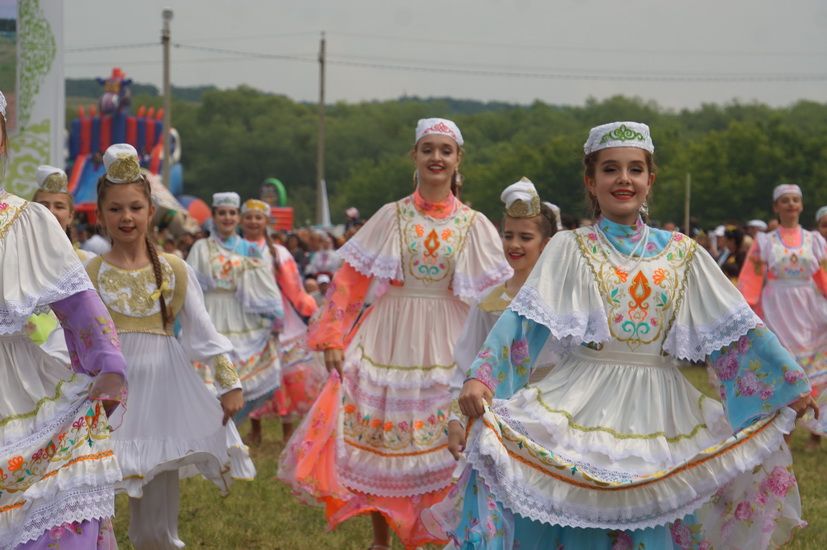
(97, 127)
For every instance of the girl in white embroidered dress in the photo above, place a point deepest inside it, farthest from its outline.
(174, 424)
(377, 443)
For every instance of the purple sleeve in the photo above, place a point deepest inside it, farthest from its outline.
(91, 337)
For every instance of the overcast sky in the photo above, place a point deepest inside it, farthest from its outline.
(680, 54)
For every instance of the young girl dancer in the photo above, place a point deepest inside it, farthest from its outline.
(785, 280)
(302, 370)
(57, 464)
(381, 448)
(173, 421)
(527, 227)
(614, 448)
(53, 193)
(242, 299)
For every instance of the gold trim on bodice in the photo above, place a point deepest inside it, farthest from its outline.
(137, 309)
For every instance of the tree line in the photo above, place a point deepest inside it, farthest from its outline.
(736, 153)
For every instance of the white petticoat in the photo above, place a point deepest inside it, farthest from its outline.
(172, 420)
(633, 446)
(57, 464)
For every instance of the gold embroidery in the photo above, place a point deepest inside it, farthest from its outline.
(128, 294)
(125, 168)
(32, 413)
(496, 301)
(225, 372)
(373, 363)
(614, 433)
(10, 209)
(55, 183)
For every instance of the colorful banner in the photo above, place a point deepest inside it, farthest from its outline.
(31, 77)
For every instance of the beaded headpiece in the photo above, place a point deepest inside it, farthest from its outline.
(786, 189)
(51, 179)
(521, 199)
(438, 126)
(619, 134)
(122, 164)
(229, 198)
(255, 205)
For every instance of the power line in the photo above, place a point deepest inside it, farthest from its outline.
(113, 47)
(584, 49)
(312, 58)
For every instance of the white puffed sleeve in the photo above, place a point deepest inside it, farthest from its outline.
(481, 263)
(376, 250)
(561, 294)
(201, 341)
(37, 263)
(712, 313)
(199, 260)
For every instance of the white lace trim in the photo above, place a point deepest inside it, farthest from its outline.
(466, 286)
(695, 343)
(371, 264)
(66, 507)
(389, 476)
(13, 315)
(568, 330)
(657, 504)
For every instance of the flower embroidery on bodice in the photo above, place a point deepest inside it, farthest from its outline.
(640, 299)
(134, 292)
(430, 245)
(10, 208)
(227, 264)
(787, 262)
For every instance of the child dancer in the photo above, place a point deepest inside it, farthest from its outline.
(53, 193)
(302, 370)
(57, 464)
(614, 448)
(527, 227)
(242, 299)
(173, 421)
(381, 448)
(785, 280)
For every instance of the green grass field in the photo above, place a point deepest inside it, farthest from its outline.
(263, 515)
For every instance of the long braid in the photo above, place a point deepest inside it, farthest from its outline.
(159, 279)
(273, 252)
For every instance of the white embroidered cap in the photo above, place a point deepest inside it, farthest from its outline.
(786, 189)
(821, 212)
(323, 278)
(51, 179)
(619, 134)
(3, 104)
(438, 126)
(122, 164)
(760, 224)
(352, 212)
(521, 199)
(229, 198)
(556, 209)
(719, 231)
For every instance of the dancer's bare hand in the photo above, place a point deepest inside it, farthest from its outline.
(231, 402)
(804, 403)
(456, 439)
(334, 359)
(473, 397)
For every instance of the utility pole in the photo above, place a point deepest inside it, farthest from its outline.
(165, 40)
(686, 199)
(321, 190)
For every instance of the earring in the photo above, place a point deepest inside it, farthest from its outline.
(644, 209)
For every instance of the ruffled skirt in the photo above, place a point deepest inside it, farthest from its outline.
(377, 443)
(797, 313)
(256, 355)
(57, 464)
(616, 444)
(172, 421)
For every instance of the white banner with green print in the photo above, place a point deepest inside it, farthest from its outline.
(31, 77)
